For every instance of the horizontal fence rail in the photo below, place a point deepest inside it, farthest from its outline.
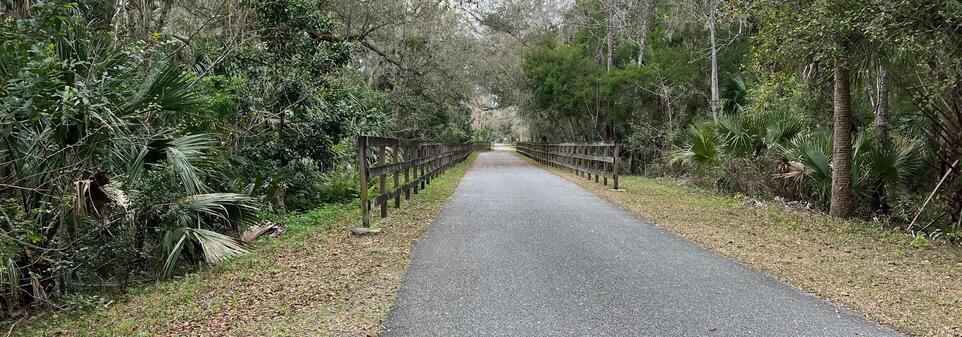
(598, 160)
(410, 164)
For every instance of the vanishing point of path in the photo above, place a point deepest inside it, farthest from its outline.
(518, 251)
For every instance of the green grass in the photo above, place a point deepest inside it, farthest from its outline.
(909, 283)
(315, 279)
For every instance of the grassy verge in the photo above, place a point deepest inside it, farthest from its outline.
(911, 284)
(316, 279)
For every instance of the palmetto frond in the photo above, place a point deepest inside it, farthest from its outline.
(737, 135)
(811, 157)
(173, 243)
(167, 88)
(781, 128)
(896, 164)
(222, 206)
(216, 247)
(10, 277)
(861, 152)
(703, 150)
(132, 160)
(187, 156)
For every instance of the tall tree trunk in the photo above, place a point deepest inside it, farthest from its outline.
(23, 8)
(841, 201)
(882, 107)
(19, 9)
(164, 10)
(715, 100)
(145, 13)
(883, 141)
(952, 123)
(641, 44)
(609, 11)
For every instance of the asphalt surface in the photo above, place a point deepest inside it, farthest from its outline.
(518, 251)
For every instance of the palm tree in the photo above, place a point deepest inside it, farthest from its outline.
(841, 202)
(802, 33)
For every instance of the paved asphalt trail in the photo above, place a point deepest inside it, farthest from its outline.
(518, 251)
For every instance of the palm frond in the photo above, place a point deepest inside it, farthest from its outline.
(168, 88)
(737, 135)
(132, 159)
(703, 150)
(267, 228)
(896, 164)
(781, 128)
(10, 277)
(223, 206)
(216, 247)
(37, 290)
(813, 155)
(173, 243)
(187, 155)
(861, 150)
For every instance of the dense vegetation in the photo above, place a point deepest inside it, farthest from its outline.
(139, 139)
(851, 106)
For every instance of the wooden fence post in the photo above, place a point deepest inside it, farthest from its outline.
(604, 165)
(362, 176)
(584, 162)
(594, 164)
(407, 171)
(422, 153)
(415, 147)
(430, 166)
(577, 151)
(615, 169)
(396, 156)
(382, 180)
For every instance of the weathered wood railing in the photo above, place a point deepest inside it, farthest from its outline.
(405, 165)
(598, 160)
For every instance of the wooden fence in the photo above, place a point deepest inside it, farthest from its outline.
(404, 165)
(598, 160)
